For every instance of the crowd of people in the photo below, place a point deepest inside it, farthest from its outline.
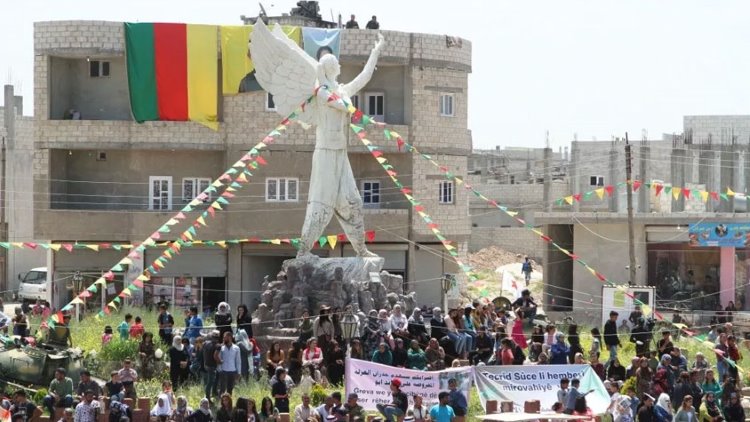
(659, 384)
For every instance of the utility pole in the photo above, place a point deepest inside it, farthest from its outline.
(547, 176)
(629, 187)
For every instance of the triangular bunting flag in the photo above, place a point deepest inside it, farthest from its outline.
(600, 193)
(332, 239)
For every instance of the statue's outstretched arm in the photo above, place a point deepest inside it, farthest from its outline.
(363, 78)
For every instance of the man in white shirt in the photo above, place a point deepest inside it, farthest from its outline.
(229, 365)
(88, 409)
(303, 411)
(325, 409)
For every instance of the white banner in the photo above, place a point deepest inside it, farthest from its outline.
(519, 383)
(371, 381)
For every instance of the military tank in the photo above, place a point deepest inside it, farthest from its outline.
(26, 365)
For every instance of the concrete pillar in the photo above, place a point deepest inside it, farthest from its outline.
(726, 275)
(644, 206)
(726, 169)
(613, 156)
(739, 180)
(547, 180)
(678, 159)
(237, 293)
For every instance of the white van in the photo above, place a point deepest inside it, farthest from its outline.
(34, 285)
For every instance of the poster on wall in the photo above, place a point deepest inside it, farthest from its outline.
(719, 234)
(520, 384)
(371, 381)
(614, 299)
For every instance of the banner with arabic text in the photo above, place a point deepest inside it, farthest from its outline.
(371, 382)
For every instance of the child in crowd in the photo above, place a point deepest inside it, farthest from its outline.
(137, 329)
(107, 335)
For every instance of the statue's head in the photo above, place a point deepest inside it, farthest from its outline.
(331, 67)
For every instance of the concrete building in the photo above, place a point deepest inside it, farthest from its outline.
(699, 277)
(513, 176)
(16, 197)
(106, 178)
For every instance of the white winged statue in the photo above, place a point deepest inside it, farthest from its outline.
(292, 76)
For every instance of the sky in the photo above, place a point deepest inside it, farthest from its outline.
(591, 69)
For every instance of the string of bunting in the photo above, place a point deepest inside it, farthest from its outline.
(658, 188)
(231, 180)
(646, 309)
(330, 240)
(358, 122)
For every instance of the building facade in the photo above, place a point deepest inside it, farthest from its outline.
(686, 273)
(99, 176)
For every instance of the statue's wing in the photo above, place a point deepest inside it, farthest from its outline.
(283, 69)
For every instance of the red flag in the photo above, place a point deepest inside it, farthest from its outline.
(577, 197)
(418, 208)
(714, 195)
(32, 245)
(68, 247)
(686, 192)
(109, 275)
(636, 185)
(260, 160)
(376, 153)
(609, 189)
(59, 316)
(659, 188)
(370, 235)
(341, 237)
(400, 143)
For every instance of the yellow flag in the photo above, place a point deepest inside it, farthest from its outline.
(201, 220)
(222, 243)
(276, 241)
(126, 261)
(101, 281)
(92, 247)
(704, 196)
(730, 192)
(126, 291)
(646, 309)
(235, 60)
(600, 193)
(143, 277)
(76, 301)
(55, 247)
(569, 200)
(216, 205)
(188, 234)
(332, 239)
(676, 193)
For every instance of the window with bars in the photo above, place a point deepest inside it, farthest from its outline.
(375, 105)
(193, 186)
(445, 195)
(596, 181)
(98, 68)
(371, 193)
(446, 105)
(160, 193)
(282, 189)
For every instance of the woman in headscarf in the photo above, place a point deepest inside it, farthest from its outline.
(355, 350)
(178, 361)
(709, 410)
(305, 327)
(203, 413)
(559, 351)
(643, 376)
(385, 330)
(334, 361)
(246, 353)
(162, 409)
(244, 320)
(616, 371)
(400, 355)
(733, 410)
(294, 361)
(146, 351)
(223, 319)
(323, 328)
(660, 383)
(663, 408)
(182, 411)
(437, 324)
(399, 322)
(415, 357)
(575, 342)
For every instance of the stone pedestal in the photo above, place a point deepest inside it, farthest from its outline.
(310, 282)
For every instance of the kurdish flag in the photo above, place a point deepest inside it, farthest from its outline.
(173, 72)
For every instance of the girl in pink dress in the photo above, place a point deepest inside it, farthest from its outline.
(517, 333)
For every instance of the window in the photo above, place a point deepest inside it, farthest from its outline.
(160, 195)
(371, 193)
(446, 192)
(597, 181)
(375, 105)
(446, 105)
(193, 186)
(98, 69)
(355, 100)
(270, 105)
(281, 189)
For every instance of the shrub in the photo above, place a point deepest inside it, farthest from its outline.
(318, 395)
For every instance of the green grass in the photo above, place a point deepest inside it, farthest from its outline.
(87, 335)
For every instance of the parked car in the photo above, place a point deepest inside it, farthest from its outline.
(33, 286)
